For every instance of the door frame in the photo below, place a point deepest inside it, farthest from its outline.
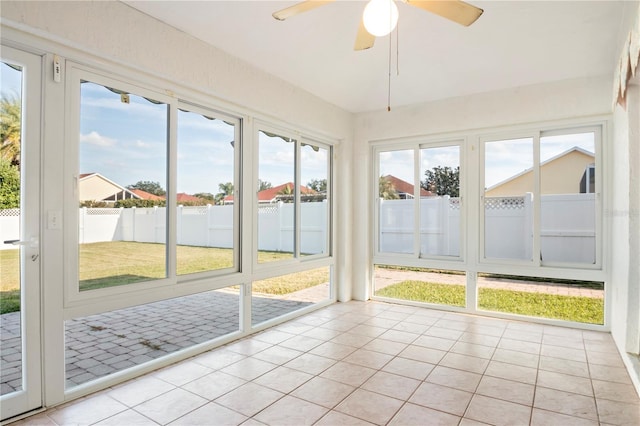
(30, 396)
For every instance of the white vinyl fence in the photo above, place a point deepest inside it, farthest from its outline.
(567, 225)
(206, 226)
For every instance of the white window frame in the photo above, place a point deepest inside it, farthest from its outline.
(84, 303)
(416, 258)
(286, 266)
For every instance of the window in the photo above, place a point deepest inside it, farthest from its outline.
(276, 197)
(541, 198)
(568, 204)
(508, 199)
(293, 200)
(396, 201)
(433, 196)
(205, 196)
(532, 248)
(440, 218)
(122, 164)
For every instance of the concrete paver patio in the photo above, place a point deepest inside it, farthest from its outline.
(101, 344)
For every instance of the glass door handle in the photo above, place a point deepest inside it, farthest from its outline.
(32, 243)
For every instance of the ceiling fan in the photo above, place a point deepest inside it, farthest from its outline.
(454, 10)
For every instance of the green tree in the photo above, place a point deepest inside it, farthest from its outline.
(9, 185)
(386, 190)
(318, 185)
(286, 190)
(262, 185)
(442, 181)
(147, 186)
(10, 128)
(205, 196)
(225, 189)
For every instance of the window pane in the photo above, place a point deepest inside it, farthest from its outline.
(123, 157)
(440, 201)
(102, 344)
(440, 287)
(508, 199)
(568, 300)
(314, 207)
(205, 198)
(396, 201)
(568, 202)
(11, 207)
(274, 297)
(276, 208)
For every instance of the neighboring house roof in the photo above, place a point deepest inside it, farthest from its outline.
(562, 166)
(146, 195)
(404, 187)
(95, 187)
(271, 194)
(181, 197)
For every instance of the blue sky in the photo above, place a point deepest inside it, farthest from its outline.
(503, 159)
(127, 143)
(11, 81)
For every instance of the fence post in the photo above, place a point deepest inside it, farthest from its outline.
(380, 224)
(528, 225)
(280, 227)
(83, 215)
(155, 224)
(133, 224)
(179, 213)
(444, 225)
(209, 222)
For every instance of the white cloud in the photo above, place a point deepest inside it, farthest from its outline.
(141, 144)
(94, 138)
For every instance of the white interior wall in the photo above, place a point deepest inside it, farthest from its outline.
(118, 32)
(625, 224)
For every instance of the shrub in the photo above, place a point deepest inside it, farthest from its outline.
(9, 185)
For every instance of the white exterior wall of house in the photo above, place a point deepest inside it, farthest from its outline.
(95, 188)
(559, 176)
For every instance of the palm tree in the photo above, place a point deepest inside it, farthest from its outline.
(10, 128)
(386, 189)
(286, 190)
(225, 189)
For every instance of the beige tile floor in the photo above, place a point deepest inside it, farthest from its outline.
(375, 364)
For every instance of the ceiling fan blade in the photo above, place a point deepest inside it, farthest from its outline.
(297, 8)
(454, 10)
(364, 40)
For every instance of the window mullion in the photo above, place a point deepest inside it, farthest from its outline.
(296, 200)
(172, 166)
(416, 204)
(536, 258)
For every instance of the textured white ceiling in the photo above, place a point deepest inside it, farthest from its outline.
(514, 43)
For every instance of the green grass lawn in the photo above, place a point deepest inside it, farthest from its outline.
(293, 282)
(9, 281)
(109, 264)
(568, 308)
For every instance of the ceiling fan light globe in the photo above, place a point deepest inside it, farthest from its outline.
(380, 17)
